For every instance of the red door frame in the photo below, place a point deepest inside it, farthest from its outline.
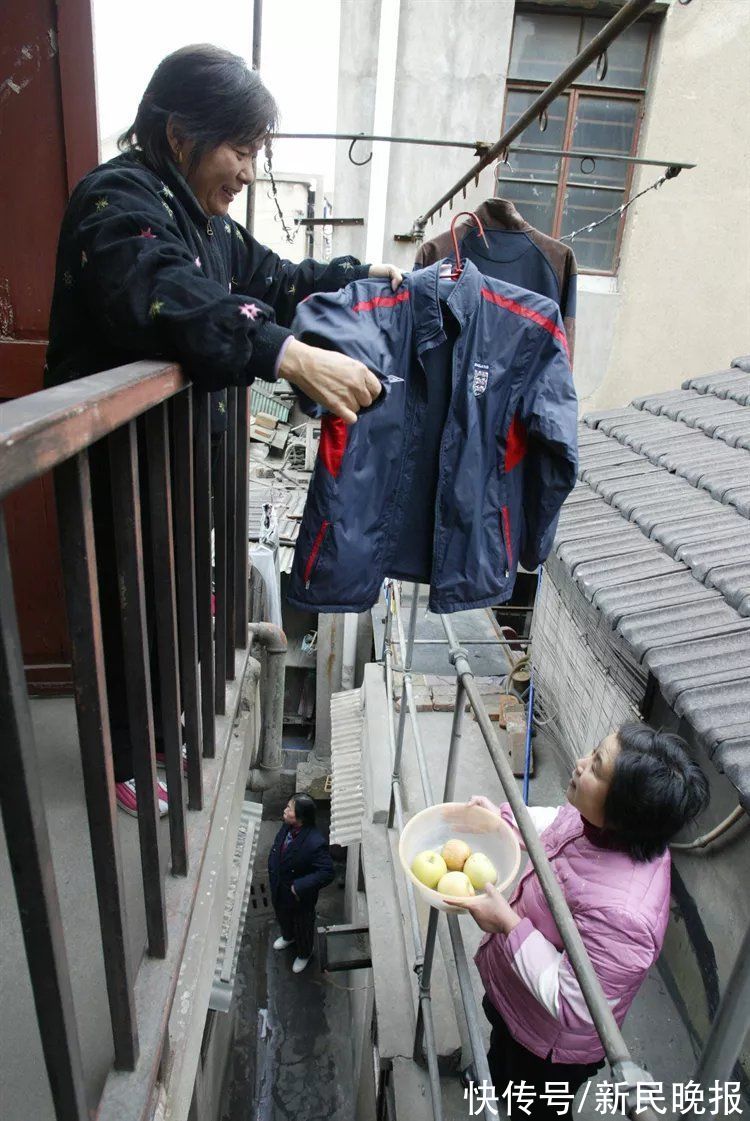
(48, 141)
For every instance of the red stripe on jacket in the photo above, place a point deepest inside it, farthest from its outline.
(528, 313)
(382, 301)
(516, 443)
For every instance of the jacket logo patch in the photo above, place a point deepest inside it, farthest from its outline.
(479, 379)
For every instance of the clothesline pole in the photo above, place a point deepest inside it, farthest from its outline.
(619, 23)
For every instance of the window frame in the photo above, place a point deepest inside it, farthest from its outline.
(573, 93)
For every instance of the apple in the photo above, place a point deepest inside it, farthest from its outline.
(455, 854)
(456, 884)
(428, 867)
(480, 870)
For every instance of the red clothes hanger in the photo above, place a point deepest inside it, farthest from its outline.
(477, 221)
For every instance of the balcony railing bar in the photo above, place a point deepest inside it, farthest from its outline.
(242, 553)
(184, 506)
(126, 505)
(203, 578)
(78, 553)
(231, 442)
(25, 823)
(220, 578)
(165, 608)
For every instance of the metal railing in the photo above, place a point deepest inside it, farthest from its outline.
(143, 419)
(625, 1072)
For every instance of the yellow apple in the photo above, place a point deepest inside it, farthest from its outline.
(428, 867)
(480, 870)
(455, 854)
(456, 884)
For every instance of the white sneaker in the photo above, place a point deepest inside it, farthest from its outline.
(299, 964)
(281, 942)
(127, 798)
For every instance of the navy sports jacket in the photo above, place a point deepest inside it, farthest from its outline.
(461, 471)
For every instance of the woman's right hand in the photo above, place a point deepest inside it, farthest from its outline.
(485, 803)
(342, 385)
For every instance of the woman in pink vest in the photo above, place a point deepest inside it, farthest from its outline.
(608, 849)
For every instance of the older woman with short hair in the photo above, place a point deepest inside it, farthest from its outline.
(151, 266)
(608, 850)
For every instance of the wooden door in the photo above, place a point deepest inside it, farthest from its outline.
(48, 141)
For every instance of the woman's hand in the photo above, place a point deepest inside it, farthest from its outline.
(491, 911)
(485, 803)
(387, 272)
(342, 385)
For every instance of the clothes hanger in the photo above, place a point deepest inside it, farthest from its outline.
(456, 270)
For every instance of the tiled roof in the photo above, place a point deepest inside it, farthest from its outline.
(656, 535)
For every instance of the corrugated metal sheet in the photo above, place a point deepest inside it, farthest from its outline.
(235, 908)
(656, 539)
(347, 793)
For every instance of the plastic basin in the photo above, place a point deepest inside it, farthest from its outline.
(483, 830)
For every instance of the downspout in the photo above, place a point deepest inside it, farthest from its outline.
(273, 641)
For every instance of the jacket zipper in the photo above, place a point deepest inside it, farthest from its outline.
(505, 533)
(315, 551)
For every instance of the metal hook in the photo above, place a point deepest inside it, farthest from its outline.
(602, 66)
(543, 122)
(592, 169)
(357, 163)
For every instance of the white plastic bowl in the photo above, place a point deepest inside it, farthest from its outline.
(483, 830)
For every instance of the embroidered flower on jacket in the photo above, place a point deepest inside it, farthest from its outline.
(250, 311)
(84, 259)
(68, 279)
(168, 209)
(166, 191)
(237, 231)
(155, 308)
(197, 263)
(227, 227)
(101, 204)
(222, 406)
(347, 266)
(147, 233)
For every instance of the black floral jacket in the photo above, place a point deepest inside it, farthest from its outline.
(143, 273)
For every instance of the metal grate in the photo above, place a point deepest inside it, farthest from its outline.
(260, 898)
(347, 794)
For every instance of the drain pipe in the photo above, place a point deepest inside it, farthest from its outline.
(273, 641)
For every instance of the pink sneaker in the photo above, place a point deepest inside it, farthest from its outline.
(128, 801)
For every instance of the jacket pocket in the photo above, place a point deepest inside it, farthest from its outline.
(505, 533)
(314, 557)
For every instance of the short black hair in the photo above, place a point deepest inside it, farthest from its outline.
(214, 98)
(304, 808)
(656, 789)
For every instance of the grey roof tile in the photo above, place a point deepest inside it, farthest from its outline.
(733, 758)
(593, 576)
(657, 537)
(618, 602)
(742, 363)
(718, 712)
(685, 665)
(665, 625)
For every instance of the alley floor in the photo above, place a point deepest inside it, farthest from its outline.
(292, 1058)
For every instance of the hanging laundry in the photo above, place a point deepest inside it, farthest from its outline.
(459, 473)
(515, 252)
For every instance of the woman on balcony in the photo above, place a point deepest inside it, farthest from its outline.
(151, 266)
(608, 849)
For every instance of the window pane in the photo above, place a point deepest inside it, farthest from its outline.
(534, 201)
(603, 124)
(543, 46)
(583, 205)
(626, 56)
(533, 165)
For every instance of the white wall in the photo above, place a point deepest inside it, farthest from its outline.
(685, 268)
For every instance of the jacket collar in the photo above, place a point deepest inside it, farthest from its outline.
(176, 183)
(500, 214)
(461, 297)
